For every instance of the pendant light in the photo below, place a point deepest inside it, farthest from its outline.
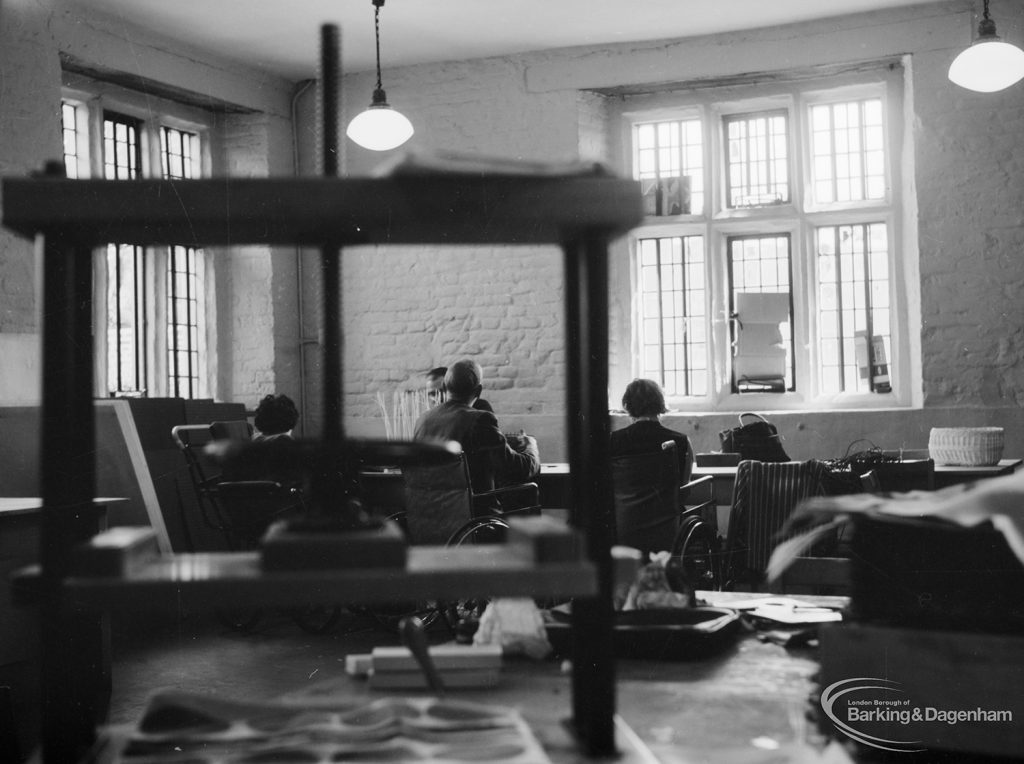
(989, 64)
(380, 127)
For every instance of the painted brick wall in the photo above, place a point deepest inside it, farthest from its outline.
(29, 135)
(410, 309)
(245, 275)
(971, 185)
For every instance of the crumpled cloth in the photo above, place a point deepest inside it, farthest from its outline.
(516, 624)
(998, 500)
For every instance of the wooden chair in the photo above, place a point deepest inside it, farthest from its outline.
(652, 515)
(764, 497)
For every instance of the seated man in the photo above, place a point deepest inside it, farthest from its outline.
(492, 461)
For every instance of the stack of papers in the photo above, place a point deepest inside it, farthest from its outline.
(786, 610)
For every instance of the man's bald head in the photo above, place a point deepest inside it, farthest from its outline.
(464, 380)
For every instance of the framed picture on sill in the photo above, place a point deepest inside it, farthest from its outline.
(649, 190)
(675, 195)
(666, 196)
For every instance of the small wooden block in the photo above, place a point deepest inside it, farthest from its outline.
(379, 547)
(118, 551)
(445, 657)
(544, 539)
(358, 664)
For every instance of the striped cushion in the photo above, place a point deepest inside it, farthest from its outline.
(763, 498)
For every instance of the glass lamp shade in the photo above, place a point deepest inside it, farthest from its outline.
(380, 128)
(988, 65)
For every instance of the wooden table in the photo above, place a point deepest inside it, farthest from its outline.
(553, 484)
(708, 710)
(948, 474)
(945, 474)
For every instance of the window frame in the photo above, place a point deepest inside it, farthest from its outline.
(152, 113)
(799, 218)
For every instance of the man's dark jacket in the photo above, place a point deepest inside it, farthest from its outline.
(492, 461)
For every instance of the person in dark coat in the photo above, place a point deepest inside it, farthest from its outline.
(493, 462)
(646, 495)
(645, 403)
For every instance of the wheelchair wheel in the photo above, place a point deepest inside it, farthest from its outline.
(463, 616)
(316, 619)
(696, 546)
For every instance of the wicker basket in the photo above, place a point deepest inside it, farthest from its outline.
(966, 446)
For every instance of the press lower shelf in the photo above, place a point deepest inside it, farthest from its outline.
(217, 580)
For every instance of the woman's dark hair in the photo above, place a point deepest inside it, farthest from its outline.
(276, 414)
(643, 397)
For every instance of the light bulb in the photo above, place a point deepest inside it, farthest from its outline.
(987, 66)
(380, 128)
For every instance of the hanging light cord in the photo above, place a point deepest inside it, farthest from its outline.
(376, 32)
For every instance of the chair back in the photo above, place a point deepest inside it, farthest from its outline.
(764, 497)
(646, 492)
(231, 430)
(190, 440)
(438, 500)
(240, 509)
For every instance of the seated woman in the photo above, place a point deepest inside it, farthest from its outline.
(276, 417)
(275, 455)
(645, 403)
(646, 491)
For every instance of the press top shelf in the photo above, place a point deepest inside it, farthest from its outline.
(420, 209)
(210, 580)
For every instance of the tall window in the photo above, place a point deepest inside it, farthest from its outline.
(767, 262)
(179, 156)
(74, 132)
(673, 313)
(150, 299)
(126, 269)
(757, 158)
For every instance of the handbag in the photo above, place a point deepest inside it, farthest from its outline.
(758, 440)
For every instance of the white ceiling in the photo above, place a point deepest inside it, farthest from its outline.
(283, 35)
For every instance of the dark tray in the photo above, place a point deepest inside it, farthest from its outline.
(671, 634)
